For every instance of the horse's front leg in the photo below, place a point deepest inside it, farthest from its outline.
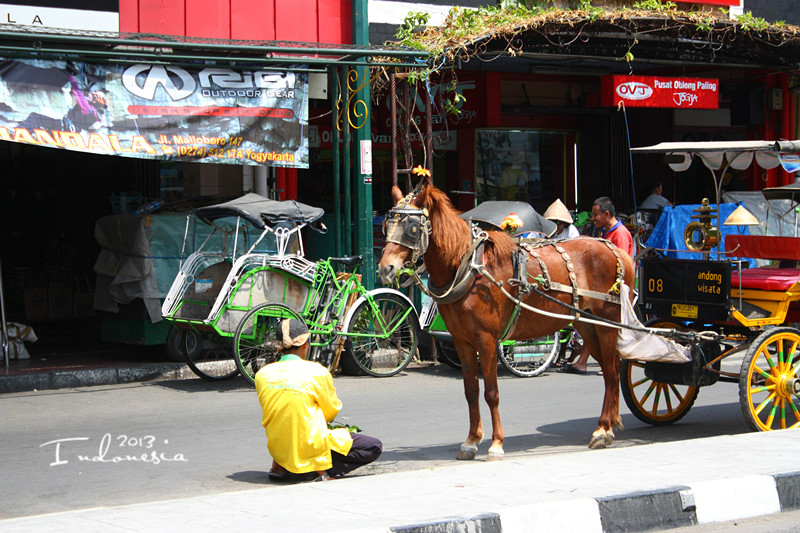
(609, 363)
(488, 360)
(469, 372)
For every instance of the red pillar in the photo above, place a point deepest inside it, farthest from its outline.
(286, 183)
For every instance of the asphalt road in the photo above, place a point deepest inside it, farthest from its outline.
(73, 449)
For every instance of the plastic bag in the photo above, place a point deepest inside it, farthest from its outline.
(642, 346)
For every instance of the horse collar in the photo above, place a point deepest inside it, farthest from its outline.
(469, 269)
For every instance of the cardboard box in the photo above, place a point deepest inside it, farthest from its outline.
(36, 304)
(59, 302)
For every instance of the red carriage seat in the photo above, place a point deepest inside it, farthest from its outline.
(762, 247)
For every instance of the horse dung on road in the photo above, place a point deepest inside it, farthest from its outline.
(476, 276)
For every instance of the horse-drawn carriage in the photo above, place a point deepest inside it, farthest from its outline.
(518, 290)
(748, 312)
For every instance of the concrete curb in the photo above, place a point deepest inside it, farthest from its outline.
(63, 379)
(703, 502)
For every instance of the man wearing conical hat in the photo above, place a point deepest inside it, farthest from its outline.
(558, 213)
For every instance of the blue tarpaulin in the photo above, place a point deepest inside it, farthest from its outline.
(668, 233)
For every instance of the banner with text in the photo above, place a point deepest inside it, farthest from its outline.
(207, 115)
(660, 91)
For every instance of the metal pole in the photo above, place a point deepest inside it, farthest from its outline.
(335, 163)
(346, 165)
(3, 317)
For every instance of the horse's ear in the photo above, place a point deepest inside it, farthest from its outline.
(397, 194)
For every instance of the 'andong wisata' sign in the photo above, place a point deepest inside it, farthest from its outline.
(660, 91)
(211, 115)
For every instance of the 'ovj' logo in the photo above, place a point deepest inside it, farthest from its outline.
(634, 90)
(143, 80)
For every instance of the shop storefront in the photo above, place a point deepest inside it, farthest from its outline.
(97, 124)
(541, 121)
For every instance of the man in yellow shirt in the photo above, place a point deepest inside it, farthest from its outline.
(298, 399)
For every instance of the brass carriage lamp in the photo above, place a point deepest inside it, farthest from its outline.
(700, 235)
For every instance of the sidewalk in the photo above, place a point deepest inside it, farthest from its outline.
(92, 364)
(645, 487)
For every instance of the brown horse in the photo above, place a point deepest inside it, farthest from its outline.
(480, 317)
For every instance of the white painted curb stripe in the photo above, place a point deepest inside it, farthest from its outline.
(721, 500)
(569, 516)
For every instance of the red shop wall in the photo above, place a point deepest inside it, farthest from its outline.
(314, 21)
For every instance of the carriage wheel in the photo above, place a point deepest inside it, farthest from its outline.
(255, 336)
(769, 383)
(528, 359)
(383, 355)
(652, 402)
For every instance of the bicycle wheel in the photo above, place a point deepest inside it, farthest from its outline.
(255, 335)
(530, 358)
(208, 355)
(383, 354)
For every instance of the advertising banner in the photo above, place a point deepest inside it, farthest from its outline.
(660, 91)
(207, 115)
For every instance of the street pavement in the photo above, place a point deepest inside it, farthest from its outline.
(656, 486)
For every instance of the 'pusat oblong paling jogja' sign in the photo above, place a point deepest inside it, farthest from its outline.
(660, 91)
(209, 115)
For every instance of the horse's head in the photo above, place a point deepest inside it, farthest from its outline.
(407, 230)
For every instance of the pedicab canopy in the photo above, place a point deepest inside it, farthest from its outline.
(739, 154)
(262, 212)
(494, 211)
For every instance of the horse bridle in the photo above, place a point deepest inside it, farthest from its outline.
(408, 226)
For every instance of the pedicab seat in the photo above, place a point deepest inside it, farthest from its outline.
(764, 247)
(766, 279)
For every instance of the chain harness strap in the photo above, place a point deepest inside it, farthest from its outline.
(573, 279)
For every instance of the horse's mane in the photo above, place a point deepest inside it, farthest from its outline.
(452, 234)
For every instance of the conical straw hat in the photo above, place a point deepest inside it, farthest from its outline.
(741, 217)
(558, 212)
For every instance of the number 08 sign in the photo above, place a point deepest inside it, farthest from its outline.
(685, 289)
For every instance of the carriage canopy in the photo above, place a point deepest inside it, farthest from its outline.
(493, 212)
(262, 212)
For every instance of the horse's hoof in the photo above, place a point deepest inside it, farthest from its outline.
(495, 455)
(601, 438)
(597, 443)
(467, 452)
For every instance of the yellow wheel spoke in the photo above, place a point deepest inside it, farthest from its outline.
(765, 351)
(771, 416)
(649, 392)
(763, 404)
(640, 382)
(765, 388)
(783, 414)
(657, 399)
(762, 373)
(668, 399)
(677, 393)
(794, 410)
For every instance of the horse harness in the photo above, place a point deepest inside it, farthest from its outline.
(531, 247)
